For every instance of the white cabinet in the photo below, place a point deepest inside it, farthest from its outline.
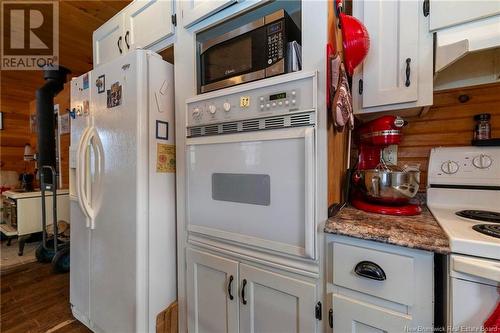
(212, 282)
(147, 22)
(224, 295)
(358, 317)
(375, 287)
(141, 24)
(193, 11)
(275, 303)
(444, 14)
(397, 72)
(108, 40)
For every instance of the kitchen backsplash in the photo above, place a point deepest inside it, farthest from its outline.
(448, 123)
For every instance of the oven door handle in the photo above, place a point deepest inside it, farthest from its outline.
(309, 191)
(477, 267)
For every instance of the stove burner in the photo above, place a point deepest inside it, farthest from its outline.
(480, 215)
(488, 229)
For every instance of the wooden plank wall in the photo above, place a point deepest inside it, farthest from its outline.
(448, 123)
(63, 99)
(337, 141)
(14, 135)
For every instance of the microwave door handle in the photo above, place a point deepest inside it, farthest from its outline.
(309, 194)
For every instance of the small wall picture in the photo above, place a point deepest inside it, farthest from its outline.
(101, 84)
(114, 97)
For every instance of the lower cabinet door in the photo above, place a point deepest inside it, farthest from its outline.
(350, 315)
(212, 293)
(274, 303)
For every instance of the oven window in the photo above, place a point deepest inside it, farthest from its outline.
(252, 189)
(221, 61)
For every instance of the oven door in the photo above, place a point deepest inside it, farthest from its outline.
(475, 291)
(234, 61)
(256, 189)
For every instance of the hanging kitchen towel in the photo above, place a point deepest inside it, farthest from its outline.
(342, 100)
(492, 324)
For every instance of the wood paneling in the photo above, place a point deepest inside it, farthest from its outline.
(448, 123)
(337, 141)
(167, 321)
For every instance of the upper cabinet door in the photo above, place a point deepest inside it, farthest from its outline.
(147, 22)
(108, 40)
(449, 13)
(211, 283)
(193, 11)
(390, 70)
(270, 302)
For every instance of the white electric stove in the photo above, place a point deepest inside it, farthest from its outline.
(463, 194)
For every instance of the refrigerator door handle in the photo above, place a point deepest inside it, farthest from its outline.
(97, 147)
(81, 168)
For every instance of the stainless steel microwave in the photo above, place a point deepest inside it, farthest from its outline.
(266, 47)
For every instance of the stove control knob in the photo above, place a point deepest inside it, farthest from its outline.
(449, 167)
(196, 113)
(212, 109)
(482, 161)
(226, 106)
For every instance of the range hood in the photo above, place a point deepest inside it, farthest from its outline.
(455, 42)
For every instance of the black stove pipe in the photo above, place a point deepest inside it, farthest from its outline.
(54, 83)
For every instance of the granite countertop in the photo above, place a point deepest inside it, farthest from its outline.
(419, 232)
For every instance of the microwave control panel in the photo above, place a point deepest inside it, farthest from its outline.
(280, 95)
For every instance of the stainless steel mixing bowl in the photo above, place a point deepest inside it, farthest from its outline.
(388, 186)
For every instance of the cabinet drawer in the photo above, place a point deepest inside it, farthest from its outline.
(352, 316)
(398, 281)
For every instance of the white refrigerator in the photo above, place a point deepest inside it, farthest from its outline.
(122, 191)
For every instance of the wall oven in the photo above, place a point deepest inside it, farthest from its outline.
(251, 165)
(263, 48)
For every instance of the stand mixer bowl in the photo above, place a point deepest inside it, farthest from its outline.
(388, 186)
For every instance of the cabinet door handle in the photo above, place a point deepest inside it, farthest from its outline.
(126, 39)
(370, 270)
(120, 44)
(243, 291)
(408, 72)
(330, 318)
(231, 297)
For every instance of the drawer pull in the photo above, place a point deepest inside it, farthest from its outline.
(370, 270)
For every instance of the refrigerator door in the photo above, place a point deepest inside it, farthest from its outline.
(120, 115)
(80, 234)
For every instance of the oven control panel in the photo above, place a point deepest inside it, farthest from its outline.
(280, 95)
(478, 166)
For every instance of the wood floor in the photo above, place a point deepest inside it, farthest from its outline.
(36, 300)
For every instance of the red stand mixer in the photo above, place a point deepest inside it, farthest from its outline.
(378, 187)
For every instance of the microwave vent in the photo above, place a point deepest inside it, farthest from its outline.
(274, 122)
(251, 125)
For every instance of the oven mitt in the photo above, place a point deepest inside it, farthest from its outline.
(342, 100)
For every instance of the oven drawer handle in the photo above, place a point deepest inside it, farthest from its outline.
(370, 270)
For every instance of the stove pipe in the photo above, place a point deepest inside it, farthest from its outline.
(54, 83)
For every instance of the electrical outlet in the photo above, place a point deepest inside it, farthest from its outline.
(390, 154)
